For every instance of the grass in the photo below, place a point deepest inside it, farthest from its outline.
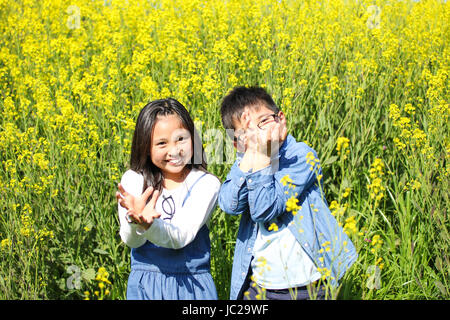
(71, 88)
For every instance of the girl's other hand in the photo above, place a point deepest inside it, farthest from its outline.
(148, 214)
(130, 202)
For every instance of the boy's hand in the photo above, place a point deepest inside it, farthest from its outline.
(274, 137)
(254, 157)
(252, 136)
(266, 141)
(260, 145)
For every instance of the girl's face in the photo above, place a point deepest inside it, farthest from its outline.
(171, 146)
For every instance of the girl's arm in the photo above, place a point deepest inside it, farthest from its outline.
(132, 182)
(187, 220)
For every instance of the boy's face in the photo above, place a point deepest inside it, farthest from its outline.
(256, 120)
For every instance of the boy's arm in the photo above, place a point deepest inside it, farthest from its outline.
(266, 194)
(233, 194)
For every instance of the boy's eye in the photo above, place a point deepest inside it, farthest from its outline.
(268, 119)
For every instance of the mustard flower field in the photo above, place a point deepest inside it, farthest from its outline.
(363, 82)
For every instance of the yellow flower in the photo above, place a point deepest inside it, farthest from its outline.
(5, 244)
(292, 206)
(311, 160)
(346, 192)
(350, 225)
(343, 146)
(416, 185)
(326, 273)
(273, 227)
(375, 187)
(285, 180)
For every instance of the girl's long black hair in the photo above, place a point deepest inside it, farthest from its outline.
(140, 160)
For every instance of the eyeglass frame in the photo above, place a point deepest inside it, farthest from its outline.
(275, 117)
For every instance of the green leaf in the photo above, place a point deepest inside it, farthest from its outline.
(329, 160)
(441, 287)
(100, 251)
(88, 274)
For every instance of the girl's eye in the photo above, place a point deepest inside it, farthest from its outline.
(161, 143)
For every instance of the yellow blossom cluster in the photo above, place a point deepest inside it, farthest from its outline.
(292, 205)
(5, 244)
(376, 243)
(28, 226)
(375, 187)
(350, 226)
(325, 273)
(273, 227)
(312, 161)
(74, 76)
(286, 180)
(342, 147)
(410, 137)
(103, 284)
(337, 210)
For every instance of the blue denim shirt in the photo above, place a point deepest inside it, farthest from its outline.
(260, 197)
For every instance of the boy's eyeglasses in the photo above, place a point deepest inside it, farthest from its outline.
(268, 119)
(261, 124)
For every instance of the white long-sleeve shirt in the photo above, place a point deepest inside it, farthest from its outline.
(184, 210)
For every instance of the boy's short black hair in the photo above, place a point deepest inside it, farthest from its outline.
(236, 100)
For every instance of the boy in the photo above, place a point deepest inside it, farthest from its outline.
(284, 249)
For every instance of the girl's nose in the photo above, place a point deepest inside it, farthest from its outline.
(176, 151)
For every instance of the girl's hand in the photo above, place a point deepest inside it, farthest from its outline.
(130, 202)
(148, 214)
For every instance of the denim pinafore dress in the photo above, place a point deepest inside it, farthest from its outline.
(159, 273)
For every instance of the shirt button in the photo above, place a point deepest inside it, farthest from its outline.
(249, 180)
(306, 245)
(241, 179)
(243, 274)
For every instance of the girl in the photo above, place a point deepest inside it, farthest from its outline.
(165, 202)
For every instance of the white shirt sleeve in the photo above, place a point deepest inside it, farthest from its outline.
(189, 219)
(133, 183)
